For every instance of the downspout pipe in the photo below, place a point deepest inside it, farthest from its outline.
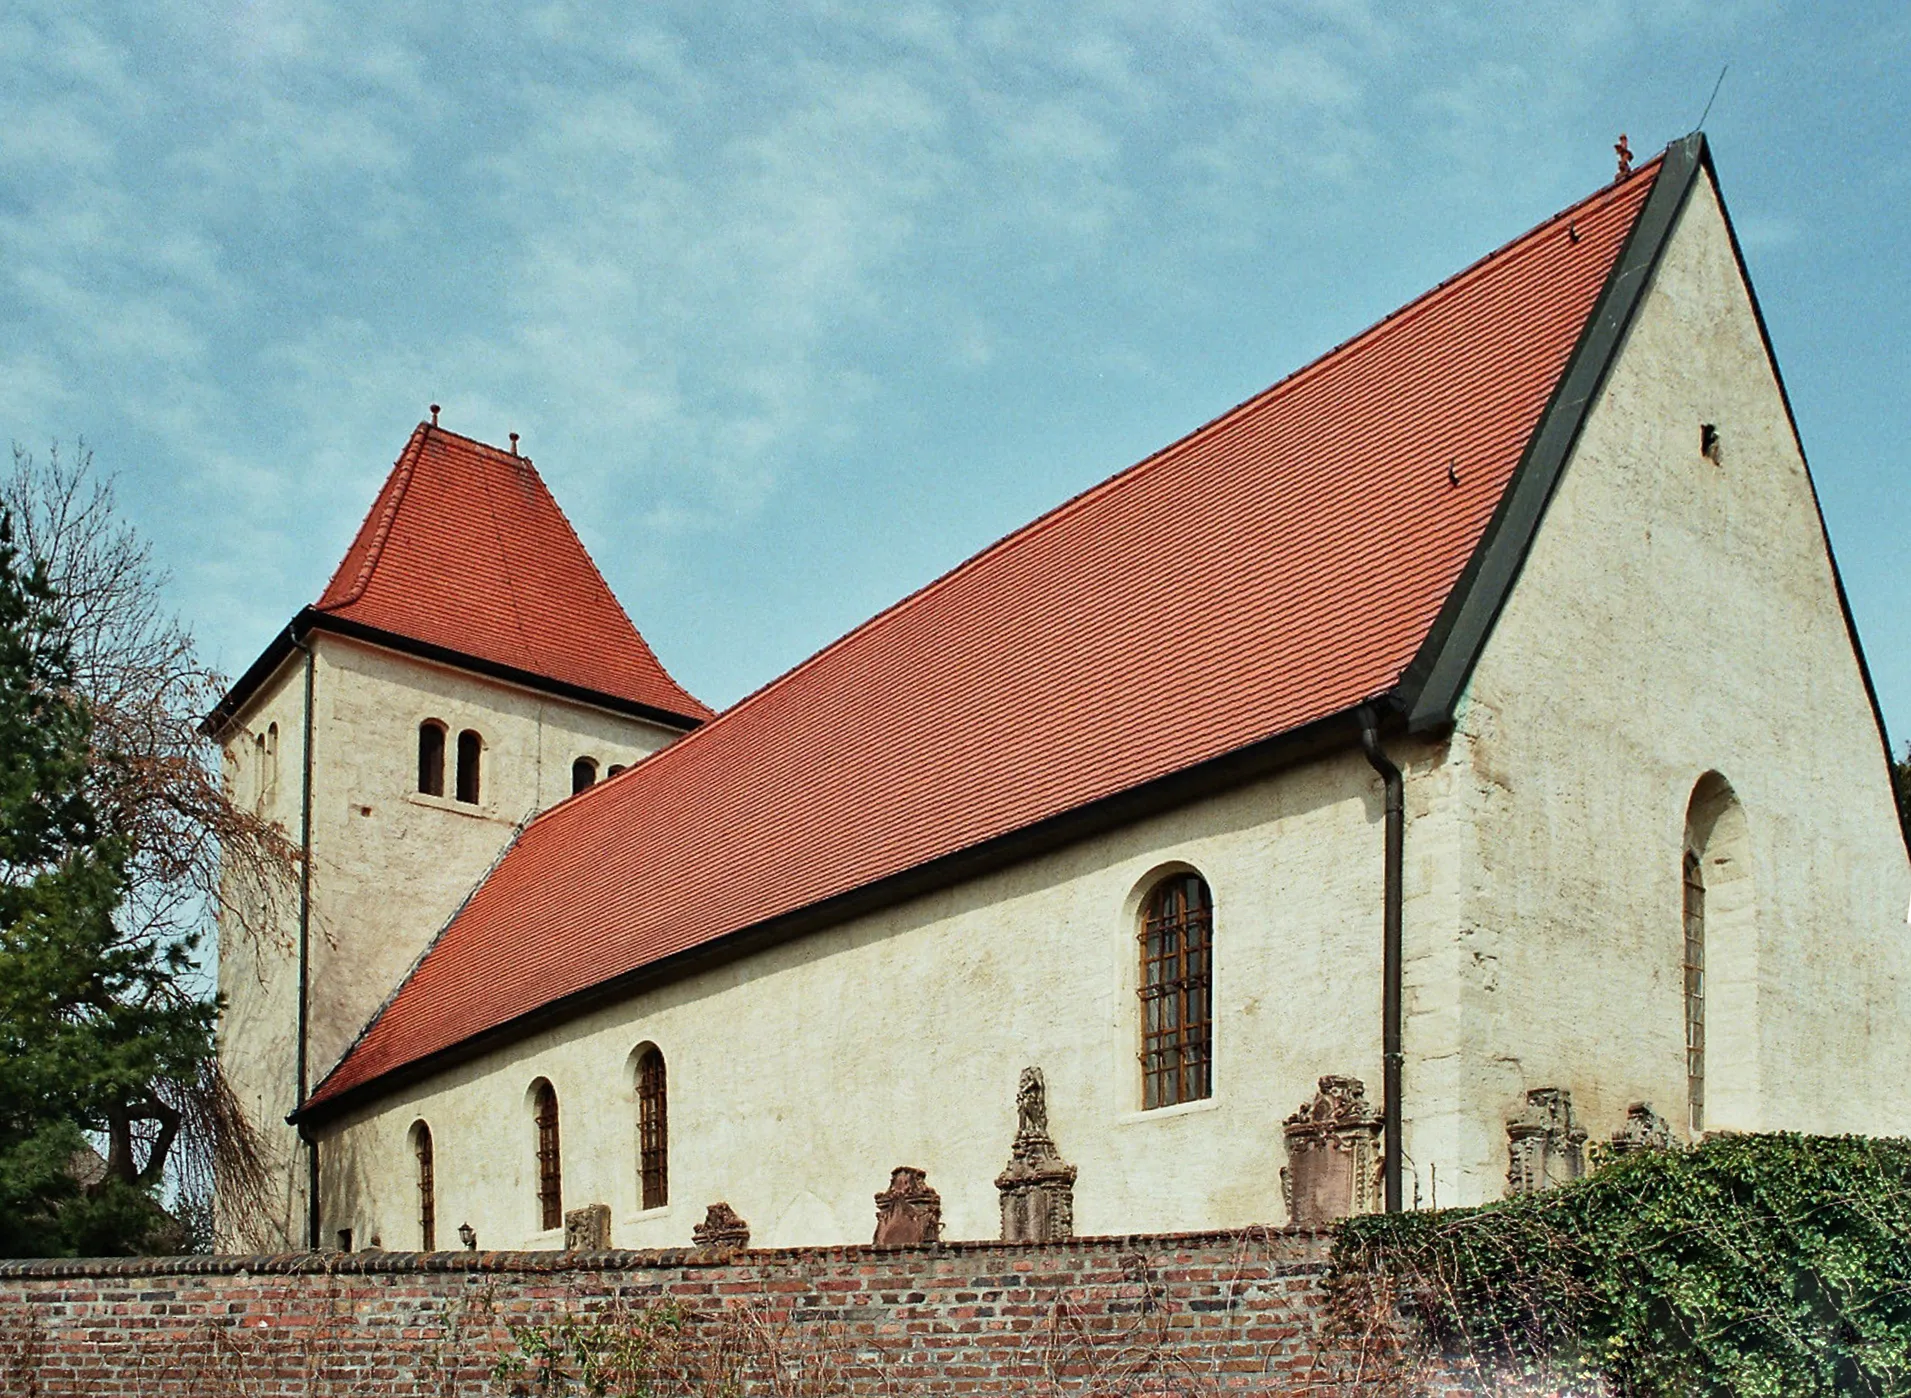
(305, 951)
(1391, 959)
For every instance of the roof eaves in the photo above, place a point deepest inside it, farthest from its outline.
(1231, 769)
(1430, 686)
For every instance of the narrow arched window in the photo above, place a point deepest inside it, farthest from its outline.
(583, 774)
(431, 757)
(470, 754)
(1694, 963)
(1177, 992)
(258, 772)
(614, 769)
(271, 773)
(550, 1178)
(427, 1188)
(653, 1129)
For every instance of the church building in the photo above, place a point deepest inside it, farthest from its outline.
(1453, 758)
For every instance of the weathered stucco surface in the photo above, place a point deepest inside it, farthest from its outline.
(798, 1078)
(1676, 616)
(389, 864)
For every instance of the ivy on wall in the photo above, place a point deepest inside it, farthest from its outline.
(1748, 1265)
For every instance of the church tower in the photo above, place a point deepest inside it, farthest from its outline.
(466, 667)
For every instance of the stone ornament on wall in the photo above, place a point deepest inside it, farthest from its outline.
(1544, 1145)
(1038, 1186)
(1645, 1129)
(1333, 1155)
(587, 1229)
(909, 1212)
(722, 1228)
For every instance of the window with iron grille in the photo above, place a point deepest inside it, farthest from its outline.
(427, 1189)
(550, 1182)
(1694, 962)
(1177, 992)
(653, 1129)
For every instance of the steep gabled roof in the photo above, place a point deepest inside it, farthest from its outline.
(1262, 577)
(465, 557)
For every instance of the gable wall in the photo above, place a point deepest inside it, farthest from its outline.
(799, 1077)
(389, 864)
(1675, 616)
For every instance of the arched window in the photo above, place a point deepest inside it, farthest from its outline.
(1718, 960)
(427, 1188)
(583, 774)
(1694, 964)
(470, 753)
(550, 1178)
(270, 775)
(614, 769)
(431, 757)
(258, 772)
(653, 1129)
(1177, 992)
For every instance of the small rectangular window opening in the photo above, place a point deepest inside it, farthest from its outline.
(1709, 442)
(344, 1240)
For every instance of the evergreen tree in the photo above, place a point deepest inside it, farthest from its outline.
(95, 1024)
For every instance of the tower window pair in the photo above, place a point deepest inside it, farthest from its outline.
(431, 761)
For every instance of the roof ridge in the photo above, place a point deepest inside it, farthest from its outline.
(400, 483)
(609, 591)
(1048, 518)
(505, 556)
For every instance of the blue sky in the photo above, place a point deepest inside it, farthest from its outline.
(796, 307)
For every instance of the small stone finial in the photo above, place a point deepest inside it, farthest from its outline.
(1623, 149)
(1038, 1186)
(1545, 1146)
(468, 1236)
(434, 414)
(1333, 1154)
(587, 1229)
(722, 1229)
(1645, 1129)
(514, 444)
(909, 1212)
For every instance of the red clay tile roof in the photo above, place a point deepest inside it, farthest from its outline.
(466, 550)
(1276, 567)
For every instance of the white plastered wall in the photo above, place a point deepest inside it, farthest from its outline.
(799, 1077)
(389, 864)
(1675, 616)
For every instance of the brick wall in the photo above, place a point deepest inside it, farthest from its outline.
(1181, 1314)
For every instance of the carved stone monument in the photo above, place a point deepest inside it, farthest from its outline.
(1038, 1186)
(909, 1212)
(1333, 1155)
(587, 1229)
(722, 1229)
(1544, 1145)
(1645, 1129)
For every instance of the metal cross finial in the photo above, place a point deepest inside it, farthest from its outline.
(1623, 149)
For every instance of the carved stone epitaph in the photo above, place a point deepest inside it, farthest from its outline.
(587, 1229)
(1038, 1186)
(1544, 1145)
(1645, 1129)
(1333, 1155)
(722, 1228)
(909, 1212)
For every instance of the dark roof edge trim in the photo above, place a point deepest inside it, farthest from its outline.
(1432, 683)
(1208, 778)
(310, 619)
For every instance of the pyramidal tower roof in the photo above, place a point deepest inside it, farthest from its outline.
(465, 558)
